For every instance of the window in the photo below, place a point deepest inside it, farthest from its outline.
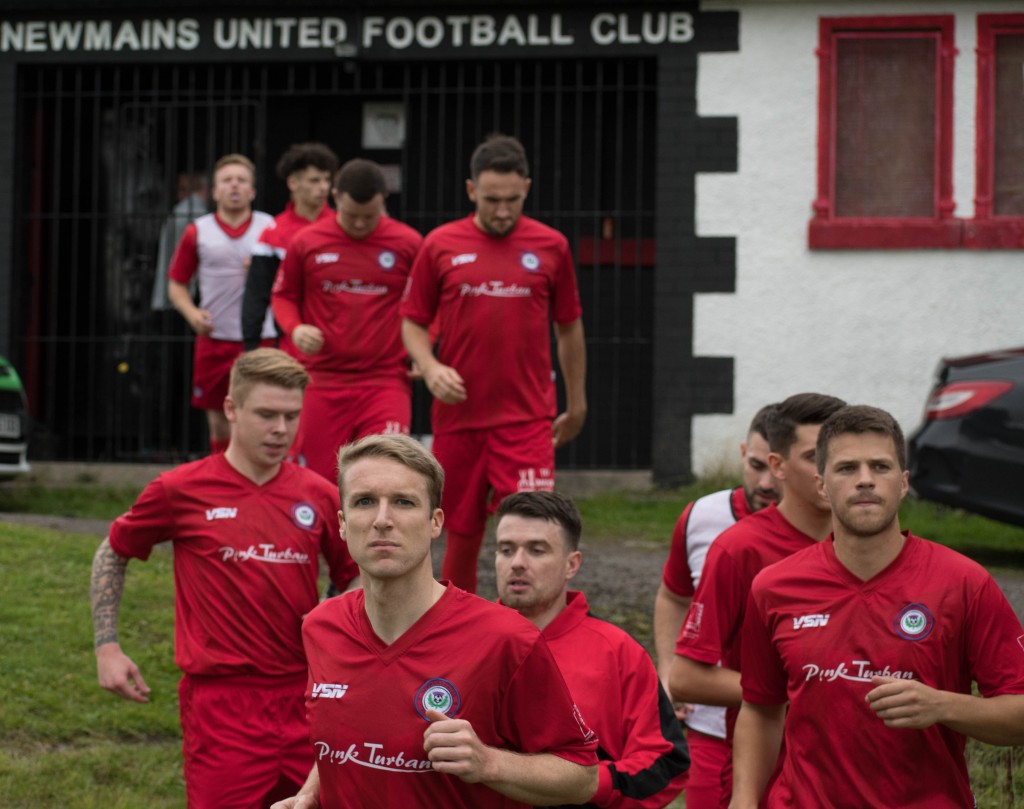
(999, 183)
(885, 129)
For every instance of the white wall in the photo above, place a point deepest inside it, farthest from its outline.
(867, 325)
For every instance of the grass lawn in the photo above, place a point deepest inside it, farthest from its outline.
(66, 743)
(648, 517)
(89, 501)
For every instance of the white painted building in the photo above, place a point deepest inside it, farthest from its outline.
(866, 324)
(681, 145)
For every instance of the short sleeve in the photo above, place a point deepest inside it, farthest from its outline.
(147, 523)
(420, 299)
(185, 260)
(286, 294)
(538, 714)
(565, 306)
(713, 623)
(995, 642)
(677, 576)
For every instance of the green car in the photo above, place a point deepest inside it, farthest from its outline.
(14, 422)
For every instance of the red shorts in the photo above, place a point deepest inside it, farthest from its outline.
(334, 415)
(708, 756)
(498, 461)
(211, 370)
(245, 740)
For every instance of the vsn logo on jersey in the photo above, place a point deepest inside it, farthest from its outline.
(529, 262)
(304, 515)
(222, 513)
(329, 690)
(437, 694)
(386, 260)
(463, 258)
(810, 621)
(914, 622)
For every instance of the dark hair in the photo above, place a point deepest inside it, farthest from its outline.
(500, 153)
(300, 156)
(398, 448)
(269, 366)
(759, 424)
(548, 506)
(860, 419)
(796, 411)
(360, 179)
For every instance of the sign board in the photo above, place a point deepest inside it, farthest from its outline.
(370, 36)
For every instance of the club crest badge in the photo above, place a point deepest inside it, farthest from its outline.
(914, 622)
(529, 262)
(386, 260)
(437, 694)
(304, 515)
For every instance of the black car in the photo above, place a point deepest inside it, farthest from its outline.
(969, 452)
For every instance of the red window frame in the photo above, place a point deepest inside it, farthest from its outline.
(987, 230)
(826, 230)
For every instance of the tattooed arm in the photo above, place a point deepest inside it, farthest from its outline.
(116, 670)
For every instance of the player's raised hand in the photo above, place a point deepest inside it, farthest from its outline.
(454, 748)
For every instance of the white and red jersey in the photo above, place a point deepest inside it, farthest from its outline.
(278, 234)
(711, 631)
(496, 297)
(700, 524)
(815, 634)
(466, 657)
(697, 527)
(220, 255)
(245, 561)
(643, 756)
(350, 289)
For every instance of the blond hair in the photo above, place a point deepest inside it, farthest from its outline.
(269, 366)
(399, 448)
(235, 159)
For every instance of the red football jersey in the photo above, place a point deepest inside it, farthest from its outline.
(700, 524)
(245, 561)
(641, 746)
(219, 253)
(815, 634)
(466, 657)
(350, 289)
(496, 297)
(711, 632)
(276, 237)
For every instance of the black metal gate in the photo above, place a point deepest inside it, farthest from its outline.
(101, 149)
